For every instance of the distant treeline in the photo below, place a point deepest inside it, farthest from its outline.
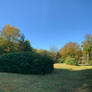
(11, 40)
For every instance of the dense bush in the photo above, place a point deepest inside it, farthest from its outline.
(71, 61)
(26, 63)
(61, 60)
(90, 62)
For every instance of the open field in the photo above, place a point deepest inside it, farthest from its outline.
(65, 78)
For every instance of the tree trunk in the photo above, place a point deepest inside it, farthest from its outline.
(87, 57)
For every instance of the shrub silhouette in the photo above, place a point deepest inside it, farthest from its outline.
(25, 63)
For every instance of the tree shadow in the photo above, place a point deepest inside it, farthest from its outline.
(75, 81)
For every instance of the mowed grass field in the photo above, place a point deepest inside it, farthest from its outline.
(65, 78)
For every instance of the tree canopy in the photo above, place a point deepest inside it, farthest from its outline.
(11, 40)
(71, 49)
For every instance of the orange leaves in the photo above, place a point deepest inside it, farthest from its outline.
(10, 33)
(71, 49)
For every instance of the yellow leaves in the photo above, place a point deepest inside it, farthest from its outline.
(10, 33)
(71, 49)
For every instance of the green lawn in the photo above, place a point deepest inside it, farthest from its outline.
(65, 78)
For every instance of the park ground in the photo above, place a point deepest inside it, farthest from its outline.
(65, 78)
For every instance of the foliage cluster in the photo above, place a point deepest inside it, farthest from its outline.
(71, 49)
(71, 61)
(47, 53)
(25, 63)
(90, 62)
(61, 60)
(11, 40)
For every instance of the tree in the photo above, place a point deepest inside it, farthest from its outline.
(71, 49)
(47, 54)
(21, 43)
(87, 46)
(10, 34)
(53, 50)
(9, 38)
(24, 45)
(27, 46)
(44, 52)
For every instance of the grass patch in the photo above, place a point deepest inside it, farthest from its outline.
(65, 78)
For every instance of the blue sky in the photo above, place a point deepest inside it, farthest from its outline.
(47, 23)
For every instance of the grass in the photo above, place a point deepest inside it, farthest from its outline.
(65, 78)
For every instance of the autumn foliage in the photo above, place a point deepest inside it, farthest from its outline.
(13, 41)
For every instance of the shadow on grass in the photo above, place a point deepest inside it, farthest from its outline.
(75, 81)
(61, 80)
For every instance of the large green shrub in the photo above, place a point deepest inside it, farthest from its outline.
(26, 63)
(61, 60)
(90, 62)
(71, 61)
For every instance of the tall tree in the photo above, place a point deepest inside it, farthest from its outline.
(71, 49)
(24, 45)
(21, 43)
(53, 50)
(9, 38)
(27, 46)
(87, 46)
(11, 34)
(47, 53)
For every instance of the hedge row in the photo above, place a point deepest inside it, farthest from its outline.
(26, 63)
